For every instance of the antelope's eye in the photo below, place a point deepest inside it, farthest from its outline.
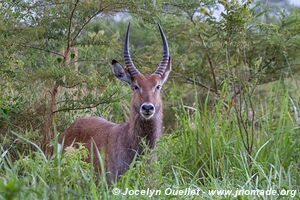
(158, 87)
(135, 87)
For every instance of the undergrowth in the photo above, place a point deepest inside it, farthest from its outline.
(205, 153)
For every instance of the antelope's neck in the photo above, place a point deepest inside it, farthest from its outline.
(149, 130)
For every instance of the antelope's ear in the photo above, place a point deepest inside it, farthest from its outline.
(165, 76)
(120, 72)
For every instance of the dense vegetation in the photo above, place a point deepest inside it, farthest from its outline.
(231, 103)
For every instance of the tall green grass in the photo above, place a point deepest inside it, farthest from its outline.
(205, 152)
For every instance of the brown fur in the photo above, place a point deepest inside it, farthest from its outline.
(121, 142)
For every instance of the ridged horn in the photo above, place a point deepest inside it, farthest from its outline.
(165, 59)
(132, 70)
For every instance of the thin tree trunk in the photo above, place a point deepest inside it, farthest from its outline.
(48, 126)
(51, 108)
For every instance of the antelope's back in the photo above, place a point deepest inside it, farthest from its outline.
(86, 129)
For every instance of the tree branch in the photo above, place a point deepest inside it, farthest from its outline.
(199, 83)
(41, 49)
(76, 61)
(107, 101)
(83, 107)
(69, 42)
(212, 68)
(85, 23)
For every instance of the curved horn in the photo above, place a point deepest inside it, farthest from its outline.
(131, 68)
(165, 59)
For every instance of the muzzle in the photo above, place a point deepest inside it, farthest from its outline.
(147, 110)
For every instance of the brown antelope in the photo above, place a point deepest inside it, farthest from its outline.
(121, 142)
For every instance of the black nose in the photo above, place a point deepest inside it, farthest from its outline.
(148, 107)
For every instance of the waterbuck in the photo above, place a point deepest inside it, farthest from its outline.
(120, 143)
